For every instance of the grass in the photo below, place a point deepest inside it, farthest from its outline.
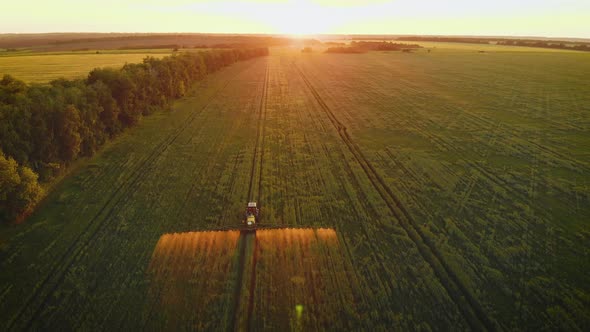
(44, 67)
(456, 183)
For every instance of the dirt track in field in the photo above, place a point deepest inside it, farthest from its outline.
(254, 194)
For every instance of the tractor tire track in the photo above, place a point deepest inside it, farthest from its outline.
(388, 283)
(263, 114)
(470, 308)
(253, 193)
(194, 171)
(203, 175)
(256, 171)
(252, 284)
(238, 281)
(259, 195)
(120, 195)
(321, 126)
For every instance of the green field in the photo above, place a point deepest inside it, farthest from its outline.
(457, 184)
(44, 67)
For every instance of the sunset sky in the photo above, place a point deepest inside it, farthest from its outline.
(552, 18)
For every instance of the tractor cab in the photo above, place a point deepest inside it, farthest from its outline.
(251, 214)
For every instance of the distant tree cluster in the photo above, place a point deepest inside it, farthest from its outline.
(466, 40)
(341, 49)
(545, 44)
(112, 41)
(161, 46)
(334, 44)
(382, 46)
(365, 46)
(264, 42)
(156, 39)
(44, 128)
(556, 44)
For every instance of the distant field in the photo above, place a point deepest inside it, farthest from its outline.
(465, 47)
(457, 185)
(42, 68)
(447, 47)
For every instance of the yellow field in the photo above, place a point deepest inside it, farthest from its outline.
(43, 68)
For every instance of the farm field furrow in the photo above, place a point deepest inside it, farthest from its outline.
(448, 149)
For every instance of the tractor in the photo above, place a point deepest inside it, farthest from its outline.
(252, 213)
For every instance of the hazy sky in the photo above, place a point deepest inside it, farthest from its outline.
(553, 18)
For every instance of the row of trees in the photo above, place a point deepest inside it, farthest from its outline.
(544, 44)
(467, 40)
(578, 46)
(365, 46)
(44, 128)
(382, 46)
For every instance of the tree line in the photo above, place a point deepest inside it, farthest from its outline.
(44, 128)
(365, 46)
(467, 40)
(544, 44)
(556, 44)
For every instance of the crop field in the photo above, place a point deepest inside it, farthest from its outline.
(442, 190)
(304, 281)
(42, 68)
(189, 280)
(291, 274)
(494, 172)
